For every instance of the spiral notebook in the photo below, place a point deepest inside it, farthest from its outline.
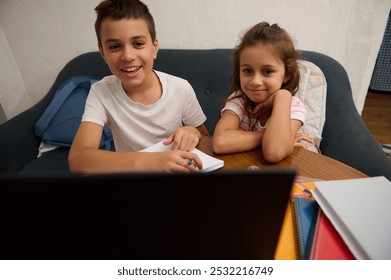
(305, 217)
(327, 243)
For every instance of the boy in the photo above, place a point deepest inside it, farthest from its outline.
(140, 105)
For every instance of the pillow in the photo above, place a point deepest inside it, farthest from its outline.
(312, 91)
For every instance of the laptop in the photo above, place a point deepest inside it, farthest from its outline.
(225, 215)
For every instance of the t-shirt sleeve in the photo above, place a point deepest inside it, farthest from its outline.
(94, 110)
(298, 110)
(236, 105)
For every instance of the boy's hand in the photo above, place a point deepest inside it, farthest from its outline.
(185, 138)
(173, 161)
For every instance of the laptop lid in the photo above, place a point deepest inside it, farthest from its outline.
(206, 216)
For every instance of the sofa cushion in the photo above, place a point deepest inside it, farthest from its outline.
(312, 91)
(50, 163)
(206, 70)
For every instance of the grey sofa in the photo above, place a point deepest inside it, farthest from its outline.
(345, 136)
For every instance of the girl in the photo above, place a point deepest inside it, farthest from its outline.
(262, 110)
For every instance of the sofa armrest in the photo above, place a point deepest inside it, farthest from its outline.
(18, 143)
(345, 136)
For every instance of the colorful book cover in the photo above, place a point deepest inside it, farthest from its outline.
(305, 217)
(360, 211)
(327, 243)
(287, 247)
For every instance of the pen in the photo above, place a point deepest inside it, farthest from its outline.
(304, 191)
(191, 162)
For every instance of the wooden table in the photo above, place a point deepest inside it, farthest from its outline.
(308, 164)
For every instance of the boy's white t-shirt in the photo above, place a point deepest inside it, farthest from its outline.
(135, 126)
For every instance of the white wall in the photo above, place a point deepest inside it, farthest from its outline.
(37, 38)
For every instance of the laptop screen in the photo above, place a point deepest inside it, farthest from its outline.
(206, 216)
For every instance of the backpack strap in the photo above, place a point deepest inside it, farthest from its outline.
(60, 96)
(107, 137)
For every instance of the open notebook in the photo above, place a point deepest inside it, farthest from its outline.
(360, 211)
(209, 163)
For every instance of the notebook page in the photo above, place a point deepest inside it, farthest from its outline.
(209, 163)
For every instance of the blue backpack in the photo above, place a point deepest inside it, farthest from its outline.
(61, 119)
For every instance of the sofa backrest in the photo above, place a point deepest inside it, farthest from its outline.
(206, 70)
(345, 136)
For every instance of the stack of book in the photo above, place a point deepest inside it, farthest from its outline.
(338, 220)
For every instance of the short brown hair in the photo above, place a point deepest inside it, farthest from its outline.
(119, 9)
